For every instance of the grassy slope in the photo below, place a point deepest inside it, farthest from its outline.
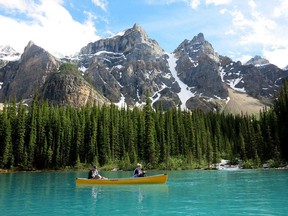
(242, 103)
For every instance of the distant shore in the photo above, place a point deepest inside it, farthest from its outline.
(219, 168)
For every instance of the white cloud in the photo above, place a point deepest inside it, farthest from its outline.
(252, 4)
(277, 56)
(230, 32)
(101, 3)
(258, 30)
(281, 9)
(47, 23)
(161, 2)
(194, 4)
(218, 2)
(21, 6)
(255, 27)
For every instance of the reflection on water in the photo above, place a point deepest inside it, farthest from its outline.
(125, 197)
(140, 197)
(140, 190)
(94, 192)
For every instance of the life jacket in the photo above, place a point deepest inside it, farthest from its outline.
(90, 174)
(135, 173)
(138, 173)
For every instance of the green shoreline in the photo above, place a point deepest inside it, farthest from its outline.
(14, 170)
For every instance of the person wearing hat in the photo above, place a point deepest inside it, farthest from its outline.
(138, 172)
(94, 174)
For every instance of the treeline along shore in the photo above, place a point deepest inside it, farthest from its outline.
(45, 136)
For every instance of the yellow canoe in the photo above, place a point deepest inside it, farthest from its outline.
(156, 179)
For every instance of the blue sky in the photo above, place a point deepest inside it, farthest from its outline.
(239, 29)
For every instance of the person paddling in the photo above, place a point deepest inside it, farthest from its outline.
(94, 174)
(138, 172)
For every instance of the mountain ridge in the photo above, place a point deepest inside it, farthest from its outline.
(128, 65)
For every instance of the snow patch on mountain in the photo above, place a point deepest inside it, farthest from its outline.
(121, 103)
(82, 69)
(157, 94)
(234, 82)
(119, 34)
(184, 93)
(155, 97)
(195, 63)
(119, 66)
(107, 52)
(222, 73)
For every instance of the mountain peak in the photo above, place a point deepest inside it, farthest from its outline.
(137, 31)
(199, 38)
(37, 52)
(7, 50)
(137, 27)
(197, 48)
(133, 39)
(31, 43)
(7, 53)
(257, 61)
(29, 46)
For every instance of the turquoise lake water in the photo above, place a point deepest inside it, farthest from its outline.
(242, 192)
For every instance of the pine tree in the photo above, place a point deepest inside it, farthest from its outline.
(114, 130)
(129, 137)
(6, 154)
(170, 137)
(32, 133)
(161, 138)
(20, 153)
(151, 154)
(281, 110)
(91, 135)
(104, 136)
(141, 136)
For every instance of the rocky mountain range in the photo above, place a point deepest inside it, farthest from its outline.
(123, 68)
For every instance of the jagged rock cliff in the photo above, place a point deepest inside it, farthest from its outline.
(37, 70)
(128, 66)
(22, 78)
(122, 69)
(198, 67)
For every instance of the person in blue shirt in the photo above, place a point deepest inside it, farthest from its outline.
(138, 172)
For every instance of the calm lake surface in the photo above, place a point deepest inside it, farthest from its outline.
(242, 192)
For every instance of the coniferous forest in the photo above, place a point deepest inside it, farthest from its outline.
(44, 136)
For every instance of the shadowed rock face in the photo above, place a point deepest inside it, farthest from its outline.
(130, 64)
(70, 89)
(22, 78)
(37, 70)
